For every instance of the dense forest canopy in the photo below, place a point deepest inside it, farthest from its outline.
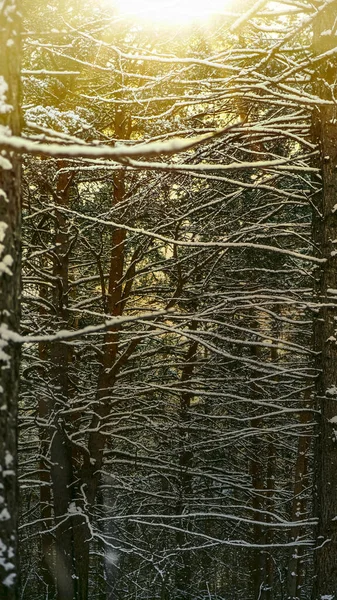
(168, 267)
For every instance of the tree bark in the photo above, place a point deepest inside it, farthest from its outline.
(89, 473)
(10, 288)
(47, 551)
(299, 505)
(61, 454)
(325, 237)
(184, 569)
(257, 472)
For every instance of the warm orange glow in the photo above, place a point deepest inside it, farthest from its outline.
(170, 12)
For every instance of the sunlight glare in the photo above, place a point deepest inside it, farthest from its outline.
(170, 12)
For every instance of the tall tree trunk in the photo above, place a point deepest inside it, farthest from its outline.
(325, 237)
(299, 505)
(270, 481)
(47, 558)
(270, 505)
(263, 473)
(61, 455)
(184, 568)
(114, 305)
(10, 288)
(257, 472)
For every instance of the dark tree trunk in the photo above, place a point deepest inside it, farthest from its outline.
(299, 505)
(184, 568)
(325, 237)
(263, 474)
(270, 500)
(44, 408)
(10, 287)
(47, 553)
(257, 472)
(114, 301)
(61, 454)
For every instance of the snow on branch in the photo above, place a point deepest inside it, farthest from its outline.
(118, 153)
(125, 154)
(64, 334)
(198, 244)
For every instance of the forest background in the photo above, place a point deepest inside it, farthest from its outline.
(168, 231)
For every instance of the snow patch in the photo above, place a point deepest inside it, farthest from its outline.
(5, 164)
(3, 195)
(10, 579)
(3, 344)
(73, 509)
(69, 122)
(4, 515)
(4, 107)
(5, 130)
(4, 357)
(5, 264)
(6, 554)
(7, 260)
(8, 459)
(112, 558)
(3, 229)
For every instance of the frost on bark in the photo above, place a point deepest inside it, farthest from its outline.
(9, 295)
(325, 237)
